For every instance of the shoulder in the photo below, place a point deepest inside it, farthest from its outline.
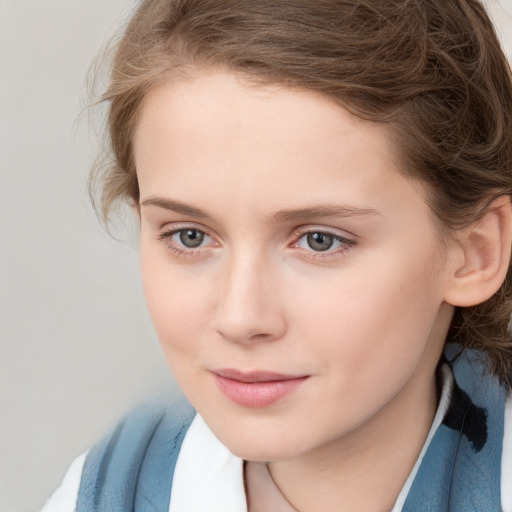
(64, 498)
(138, 455)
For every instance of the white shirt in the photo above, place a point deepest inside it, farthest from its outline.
(218, 482)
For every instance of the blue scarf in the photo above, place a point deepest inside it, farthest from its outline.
(132, 469)
(461, 470)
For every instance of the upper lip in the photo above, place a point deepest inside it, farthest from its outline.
(255, 375)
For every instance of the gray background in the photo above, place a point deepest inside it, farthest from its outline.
(76, 345)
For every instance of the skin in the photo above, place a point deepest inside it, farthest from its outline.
(365, 320)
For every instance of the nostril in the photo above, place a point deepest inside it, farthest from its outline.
(247, 336)
(262, 336)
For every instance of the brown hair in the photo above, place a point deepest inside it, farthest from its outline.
(433, 70)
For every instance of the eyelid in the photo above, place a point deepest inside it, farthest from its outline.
(313, 228)
(175, 227)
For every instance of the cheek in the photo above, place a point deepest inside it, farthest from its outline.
(370, 319)
(177, 302)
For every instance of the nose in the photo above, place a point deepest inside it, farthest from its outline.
(248, 308)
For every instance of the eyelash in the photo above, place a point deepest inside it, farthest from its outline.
(166, 239)
(347, 243)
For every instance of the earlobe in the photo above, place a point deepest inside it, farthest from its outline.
(483, 256)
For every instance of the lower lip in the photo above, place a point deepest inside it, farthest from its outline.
(257, 394)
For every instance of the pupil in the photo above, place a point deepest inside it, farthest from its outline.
(320, 241)
(191, 238)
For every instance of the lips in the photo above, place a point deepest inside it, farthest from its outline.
(256, 389)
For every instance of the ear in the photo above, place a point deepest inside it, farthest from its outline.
(481, 258)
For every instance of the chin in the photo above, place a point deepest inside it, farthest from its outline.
(258, 447)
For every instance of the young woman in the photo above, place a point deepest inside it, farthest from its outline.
(323, 191)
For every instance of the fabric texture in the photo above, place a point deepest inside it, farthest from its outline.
(132, 469)
(207, 476)
(64, 498)
(460, 471)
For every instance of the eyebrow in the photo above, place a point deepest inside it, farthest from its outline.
(175, 206)
(328, 210)
(287, 215)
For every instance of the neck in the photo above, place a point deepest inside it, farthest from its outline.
(366, 469)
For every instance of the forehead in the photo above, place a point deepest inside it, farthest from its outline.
(245, 109)
(270, 146)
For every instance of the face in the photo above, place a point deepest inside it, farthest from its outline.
(295, 279)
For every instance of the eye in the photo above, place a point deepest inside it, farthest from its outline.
(186, 240)
(318, 241)
(190, 238)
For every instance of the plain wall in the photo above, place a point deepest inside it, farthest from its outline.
(76, 345)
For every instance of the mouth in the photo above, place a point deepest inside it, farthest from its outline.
(256, 389)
